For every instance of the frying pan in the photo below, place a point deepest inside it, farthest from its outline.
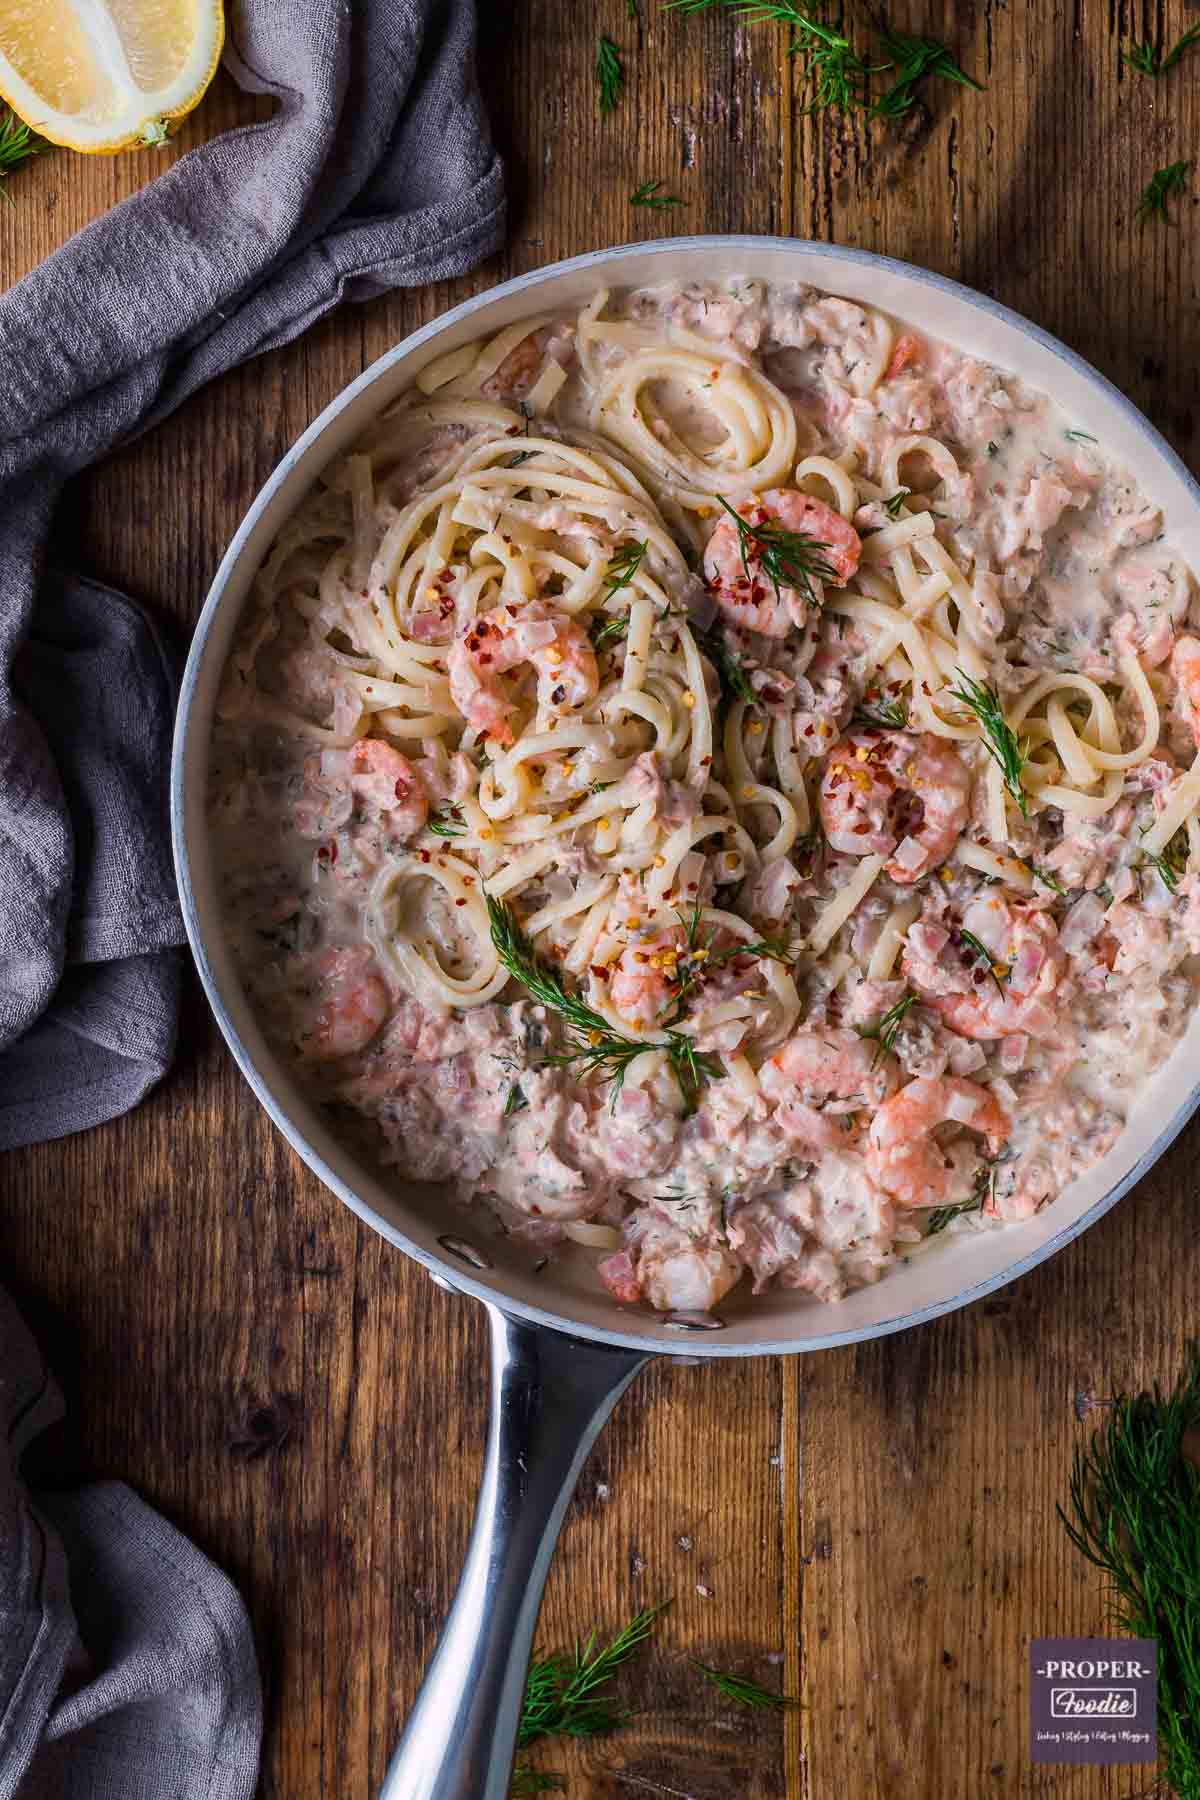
(562, 1350)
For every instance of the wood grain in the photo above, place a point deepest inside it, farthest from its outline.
(874, 1527)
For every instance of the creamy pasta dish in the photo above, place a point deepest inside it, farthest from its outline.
(714, 779)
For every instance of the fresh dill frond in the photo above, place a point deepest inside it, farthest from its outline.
(648, 195)
(565, 1696)
(610, 75)
(1170, 863)
(836, 74)
(593, 1047)
(728, 664)
(1190, 37)
(888, 715)
(742, 1690)
(941, 1216)
(886, 1030)
(765, 949)
(449, 824)
(525, 1781)
(912, 59)
(981, 698)
(608, 628)
(691, 1068)
(17, 142)
(1079, 437)
(1134, 1511)
(1047, 879)
(892, 507)
(623, 566)
(1163, 184)
(516, 1101)
(631, 9)
(1142, 60)
(980, 952)
(787, 558)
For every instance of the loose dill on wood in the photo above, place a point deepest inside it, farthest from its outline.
(1134, 1511)
(568, 1695)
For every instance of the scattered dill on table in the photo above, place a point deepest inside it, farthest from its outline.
(1134, 1511)
(742, 1690)
(1163, 184)
(648, 194)
(610, 75)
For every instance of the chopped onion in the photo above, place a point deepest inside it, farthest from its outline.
(910, 854)
(961, 1108)
(1081, 924)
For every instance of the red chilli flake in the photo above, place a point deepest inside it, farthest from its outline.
(460, 902)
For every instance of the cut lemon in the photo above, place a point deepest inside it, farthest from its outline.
(104, 74)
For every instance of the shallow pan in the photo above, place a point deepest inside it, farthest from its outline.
(563, 1350)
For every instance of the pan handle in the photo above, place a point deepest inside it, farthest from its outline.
(551, 1394)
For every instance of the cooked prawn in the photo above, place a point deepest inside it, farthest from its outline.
(645, 978)
(1185, 667)
(820, 1078)
(354, 1004)
(744, 593)
(898, 795)
(903, 1155)
(386, 781)
(1019, 992)
(554, 645)
(672, 1270)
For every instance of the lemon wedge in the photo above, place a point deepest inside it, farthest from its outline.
(104, 74)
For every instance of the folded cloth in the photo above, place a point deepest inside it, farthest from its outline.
(376, 171)
(126, 1664)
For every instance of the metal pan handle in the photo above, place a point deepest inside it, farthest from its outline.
(551, 1394)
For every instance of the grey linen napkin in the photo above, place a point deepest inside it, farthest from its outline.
(376, 172)
(127, 1667)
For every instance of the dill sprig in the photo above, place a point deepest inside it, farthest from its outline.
(516, 1101)
(981, 698)
(742, 1690)
(1171, 861)
(565, 1696)
(835, 71)
(1079, 437)
(892, 507)
(593, 1046)
(912, 59)
(1047, 879)
(609, 74)
(608, 628)
(447, 825)
(1159, 189)
(980, 952)
(17, 142)
(1141, 57)
(886, 1030)
(786, 558)
(888, 715)
(623, 566)
(648, 195)
(941, 1216)
(1135, 1513)
(728, 664)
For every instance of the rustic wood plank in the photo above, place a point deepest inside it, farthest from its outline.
(283, 1385)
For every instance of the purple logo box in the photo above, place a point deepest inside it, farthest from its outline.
(1093, 1700)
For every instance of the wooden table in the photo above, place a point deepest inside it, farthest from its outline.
(873, 1527)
